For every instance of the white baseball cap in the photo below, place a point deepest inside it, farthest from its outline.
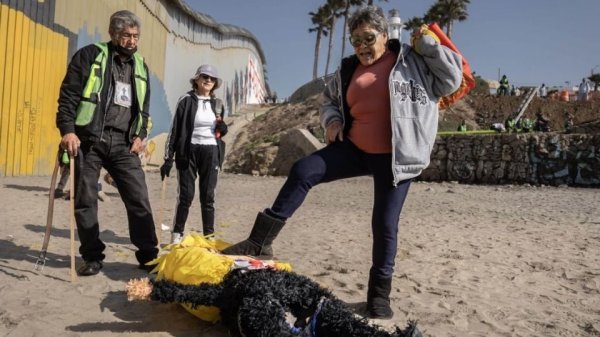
(209, 70)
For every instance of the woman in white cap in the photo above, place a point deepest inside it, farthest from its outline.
(194, 145)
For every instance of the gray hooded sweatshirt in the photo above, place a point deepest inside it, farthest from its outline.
(416, 83)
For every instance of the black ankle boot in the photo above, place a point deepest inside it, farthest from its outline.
(378, 296)
(263, 233)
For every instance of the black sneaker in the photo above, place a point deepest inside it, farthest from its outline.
(90, 268)
(58, 193)
(146, 267)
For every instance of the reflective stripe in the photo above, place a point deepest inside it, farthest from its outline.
(92, 89)
(141, 86)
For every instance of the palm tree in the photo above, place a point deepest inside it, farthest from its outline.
(319, 20)
(414, 22)
(445, 12)
(346, 13)
(370, 2)
(334, 10)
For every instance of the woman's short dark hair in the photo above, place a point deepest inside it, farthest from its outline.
(371, 15)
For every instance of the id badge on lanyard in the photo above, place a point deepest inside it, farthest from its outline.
(123, 95)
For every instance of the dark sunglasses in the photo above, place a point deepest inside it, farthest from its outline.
(206, 78)
(367, 39)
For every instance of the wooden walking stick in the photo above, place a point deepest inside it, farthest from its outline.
(72, 216)
(158, 226)
(41, 261)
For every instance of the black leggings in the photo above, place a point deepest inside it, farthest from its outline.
(344, 160)
(203, 162)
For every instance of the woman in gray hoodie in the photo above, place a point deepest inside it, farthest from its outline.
(380, 115)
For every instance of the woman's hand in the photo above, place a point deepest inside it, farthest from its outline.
(334, 132)
(418, 34)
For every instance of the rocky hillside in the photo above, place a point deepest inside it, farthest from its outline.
(254, 148)
(490, 109)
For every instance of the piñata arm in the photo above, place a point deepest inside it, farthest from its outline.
(172, 292)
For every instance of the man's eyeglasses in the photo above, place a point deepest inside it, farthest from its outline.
(127, 36)
(208, 78)
(367, 39)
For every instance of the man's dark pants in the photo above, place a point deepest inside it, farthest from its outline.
(112, 153)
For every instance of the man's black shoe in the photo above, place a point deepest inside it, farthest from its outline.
(146, 267)
(90, 268)
(58, 193)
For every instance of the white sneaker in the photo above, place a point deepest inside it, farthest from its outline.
(102, 196)
(176, 238)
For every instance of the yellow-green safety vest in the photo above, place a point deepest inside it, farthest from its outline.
(93, 87)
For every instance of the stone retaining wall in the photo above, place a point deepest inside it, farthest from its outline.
(536, 158)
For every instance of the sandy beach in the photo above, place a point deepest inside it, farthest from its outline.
(472, 260)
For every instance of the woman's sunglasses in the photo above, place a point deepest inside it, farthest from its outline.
(367, 39)
(207, 78)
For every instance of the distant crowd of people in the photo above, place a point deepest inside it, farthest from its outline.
(506, 89)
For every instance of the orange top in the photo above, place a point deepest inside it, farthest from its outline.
(369, 99)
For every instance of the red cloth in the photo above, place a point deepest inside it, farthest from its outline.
(468, 81)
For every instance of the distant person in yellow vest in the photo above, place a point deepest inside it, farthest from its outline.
(503, 89)
(526, 124)
(103, 118)
(462, 127)
(542, 123)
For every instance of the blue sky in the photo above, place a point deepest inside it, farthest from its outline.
(531, 41)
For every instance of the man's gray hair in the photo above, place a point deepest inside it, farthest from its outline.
(371, 15)
(122, 19)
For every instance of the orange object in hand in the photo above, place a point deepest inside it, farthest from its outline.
(468, 81)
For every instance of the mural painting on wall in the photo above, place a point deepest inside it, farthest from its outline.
(149, 148)
(238, 88)
(229, 99)
(256, 91)
(40, 39)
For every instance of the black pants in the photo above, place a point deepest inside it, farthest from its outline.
(64, 177)
(113, 153)
(204, 162)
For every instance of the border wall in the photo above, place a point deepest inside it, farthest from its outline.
(38, 38)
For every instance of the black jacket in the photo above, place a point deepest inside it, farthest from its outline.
(72, 88)
(179, 140)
